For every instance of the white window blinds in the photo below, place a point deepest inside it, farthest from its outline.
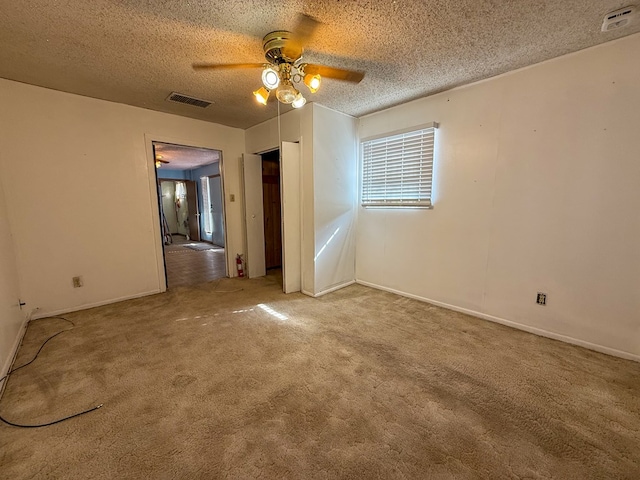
(397, 170)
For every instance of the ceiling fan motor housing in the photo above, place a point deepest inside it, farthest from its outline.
(273, 44)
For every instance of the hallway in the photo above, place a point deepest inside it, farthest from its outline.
(192, 263)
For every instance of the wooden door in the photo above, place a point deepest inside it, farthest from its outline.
(253, 214)
(272, 210)
(194, 214)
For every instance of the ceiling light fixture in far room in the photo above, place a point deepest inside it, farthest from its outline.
(159, 161)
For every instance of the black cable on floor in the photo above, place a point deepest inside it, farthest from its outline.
(50, 423)
(55, 316)
(36, 356)
(41, 346)
(29, 363)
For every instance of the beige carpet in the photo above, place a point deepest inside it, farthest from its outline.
(209, 382)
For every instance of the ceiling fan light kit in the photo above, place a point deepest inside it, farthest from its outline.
(312, 82)
(286, 92)
(270, 78)
(299, 101)
(262, 95)
(284, 68)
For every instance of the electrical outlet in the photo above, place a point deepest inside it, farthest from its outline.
(232, 197)
(541, 299)
(77, 282)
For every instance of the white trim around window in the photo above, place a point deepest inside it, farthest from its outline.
(397, 168)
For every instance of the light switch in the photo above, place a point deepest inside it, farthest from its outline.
(232, 197)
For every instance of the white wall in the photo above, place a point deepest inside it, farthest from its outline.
(536, 188)
(11, 318)
(307, 221)
(295, 125)
(265, 136)
(80, 188)
(335, 197)
(328, 186)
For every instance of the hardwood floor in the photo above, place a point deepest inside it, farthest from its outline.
(187, 266)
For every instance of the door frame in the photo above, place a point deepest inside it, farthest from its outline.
(291, 225)
(153, 199)
(224, 224)
(253, 207)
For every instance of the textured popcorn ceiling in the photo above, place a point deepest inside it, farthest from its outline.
(184, 158)
(138, 52)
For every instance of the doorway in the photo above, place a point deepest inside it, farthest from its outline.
(272, 207)
(283, 207)
(191, 209)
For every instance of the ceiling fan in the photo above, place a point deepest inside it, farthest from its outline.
(285, 68)
(159, 161)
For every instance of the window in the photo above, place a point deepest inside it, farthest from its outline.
(397, 169)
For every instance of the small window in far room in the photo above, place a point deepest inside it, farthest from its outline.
(397, 169)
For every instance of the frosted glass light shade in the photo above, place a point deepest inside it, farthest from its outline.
(286, 93)
(270, 78)
(299, 101)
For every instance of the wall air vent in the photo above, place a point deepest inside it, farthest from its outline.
(186, 99)
(618, 19)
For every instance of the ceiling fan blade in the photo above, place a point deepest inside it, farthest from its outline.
(304, 29)
(336, 73)
(162, 161)
(227, 66)
(300, 36)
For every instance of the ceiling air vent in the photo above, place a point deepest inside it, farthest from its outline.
(186, 99)
(618, 19)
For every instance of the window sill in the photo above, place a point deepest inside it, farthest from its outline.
(397, 207)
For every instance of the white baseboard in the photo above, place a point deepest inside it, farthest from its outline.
(44, 314)
(537, 331)
(333, 289)
(14, 352)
